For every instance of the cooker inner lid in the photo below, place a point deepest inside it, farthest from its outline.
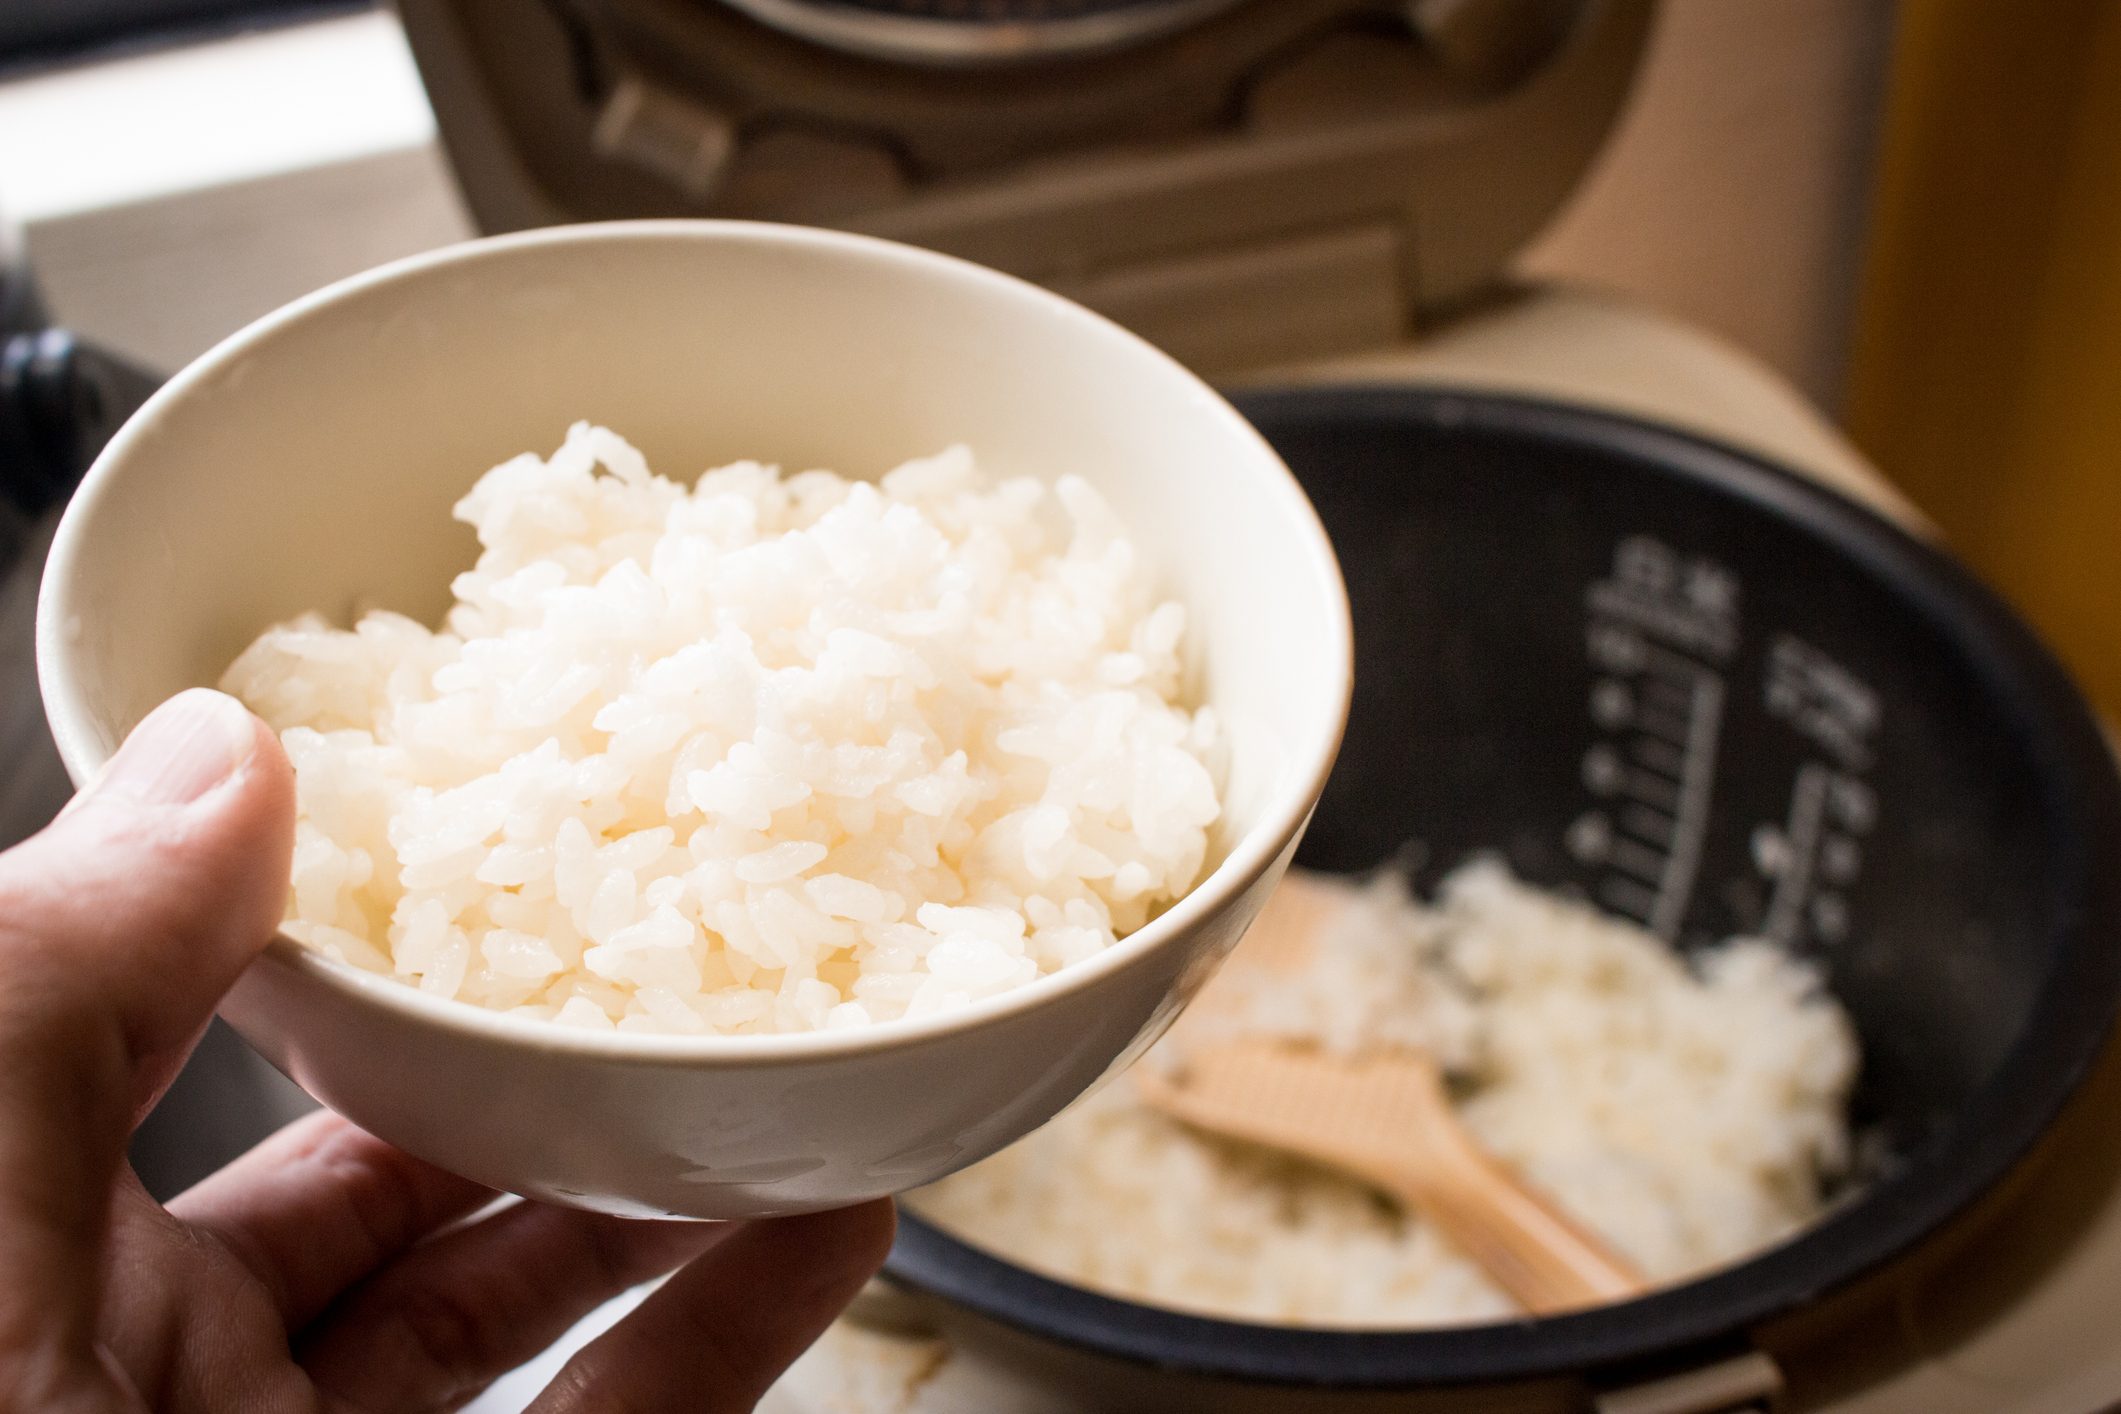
(976, 31)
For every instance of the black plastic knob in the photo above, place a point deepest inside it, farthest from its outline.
(60, 401)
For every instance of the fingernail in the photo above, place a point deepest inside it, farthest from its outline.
(183, 749)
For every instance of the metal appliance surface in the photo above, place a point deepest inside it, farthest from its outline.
(1270, 180)
(1000, 31)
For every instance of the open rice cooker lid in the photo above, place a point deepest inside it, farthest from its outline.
(1245, 182)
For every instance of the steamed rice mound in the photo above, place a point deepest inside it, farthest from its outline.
(1689, 1110)
(768, 754)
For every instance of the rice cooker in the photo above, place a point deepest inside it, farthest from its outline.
(1321, 193)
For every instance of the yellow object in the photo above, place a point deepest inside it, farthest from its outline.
(1987, 373)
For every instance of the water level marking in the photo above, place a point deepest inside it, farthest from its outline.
(1638, 859)
(1698, 785)
(1653, 791)
(1664, 757)
(1663, 726)
(1840, 859)
(1655, 626)
(1793, 881)
(1675, 694)
(1589, 837)
(1625, 896)
(1612, 704)
(1641, 821)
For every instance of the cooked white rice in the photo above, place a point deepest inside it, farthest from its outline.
(1687, 1113)
(769, 754)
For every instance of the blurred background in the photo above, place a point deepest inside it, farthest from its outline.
(1912, 212)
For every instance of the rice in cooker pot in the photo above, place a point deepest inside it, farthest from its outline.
(768, 754)
(1687, 1111)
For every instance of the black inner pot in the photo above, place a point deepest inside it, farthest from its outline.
(1706, 694)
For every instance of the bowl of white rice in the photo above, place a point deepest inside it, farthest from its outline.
(776, 714)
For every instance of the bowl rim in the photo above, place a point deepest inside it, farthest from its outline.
(2069, 1024)
(1282, 818)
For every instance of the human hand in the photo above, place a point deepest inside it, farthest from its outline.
(322, 1270)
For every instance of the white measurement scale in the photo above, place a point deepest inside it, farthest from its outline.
(1663, 630)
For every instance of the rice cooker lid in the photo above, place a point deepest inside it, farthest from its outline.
(1243, 181)
(947, 31)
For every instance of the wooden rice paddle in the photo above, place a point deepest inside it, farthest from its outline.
(1386, 1120)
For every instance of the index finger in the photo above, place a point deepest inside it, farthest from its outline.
(320, 1205)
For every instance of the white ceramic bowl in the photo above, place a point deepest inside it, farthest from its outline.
(310, 462)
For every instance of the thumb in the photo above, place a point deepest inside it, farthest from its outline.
(120, 927)
(139, 906)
